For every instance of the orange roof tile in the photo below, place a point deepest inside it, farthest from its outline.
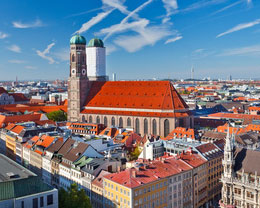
(17, 129)
(135, 94)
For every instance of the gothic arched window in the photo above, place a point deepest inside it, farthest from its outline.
(105, 121)
(129, 122)
(90, 119)
(73, 58)
(145, 126)
(98, 120)
(83, 119)
(154, 127)
(166, 127)
(137, 126)
(113, 121)
(120, 122)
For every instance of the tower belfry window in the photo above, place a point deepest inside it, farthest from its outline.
(73, 58)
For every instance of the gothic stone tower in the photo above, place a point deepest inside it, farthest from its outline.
(78, 80)
(228, 174)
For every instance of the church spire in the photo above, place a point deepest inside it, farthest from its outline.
(228, 161)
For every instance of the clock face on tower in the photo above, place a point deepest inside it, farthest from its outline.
(73, 71)
(84, 71)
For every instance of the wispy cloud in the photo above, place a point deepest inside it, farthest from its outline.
(30, 67)
(201, 53)
(171, 40)
(46, 51)
(86, 12)
(93, 21)
(240, 27)
(146, 36)
(21, 25)
(15, 61)
(3, 35)
(202, 4)
(131, 14)
(253, 50)
(119, 28)
(170, 6)
(14, 48)
(227, 7)
(116, 4)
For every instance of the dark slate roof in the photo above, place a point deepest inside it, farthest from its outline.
(22, 187)
(56, 145)
(214, 135)
(247, 159)
(10, 170)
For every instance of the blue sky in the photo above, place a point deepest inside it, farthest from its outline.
(145, 39)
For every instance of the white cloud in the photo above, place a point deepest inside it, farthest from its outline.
(201, 53)
(202, 4)
(117, 4)
(15, 61)
(240, 27)
(146, 36)
(94, 20)
(170, 6)
(30, 67)
(14, 48)
(122, 24)
(118, 28)
(36, 23)
(243, 51)
(3, 35)
(171, 40)
(46, 51)
(227, 7)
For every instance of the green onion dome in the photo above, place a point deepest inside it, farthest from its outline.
(78, 39)
(95, 42)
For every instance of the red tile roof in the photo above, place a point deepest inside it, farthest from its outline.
(5, 120)
(17, 129)
(2, 90)
(45, 141)
(149, 172)
(134, 95)
(181, 132)
(19, 97)
(234, 116)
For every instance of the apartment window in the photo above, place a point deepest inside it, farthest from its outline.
(50, 199)
(41, 202)
(35, 203)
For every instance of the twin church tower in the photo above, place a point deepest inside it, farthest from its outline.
(87, 64)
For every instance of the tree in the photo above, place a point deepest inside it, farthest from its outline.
(73, 198)
(134, 154)
(57, 115)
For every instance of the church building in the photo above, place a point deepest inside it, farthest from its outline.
(147, 107)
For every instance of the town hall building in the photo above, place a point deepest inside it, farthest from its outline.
(147, 107)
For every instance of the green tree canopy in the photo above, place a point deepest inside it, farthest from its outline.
(73, 198)
(57, 115)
